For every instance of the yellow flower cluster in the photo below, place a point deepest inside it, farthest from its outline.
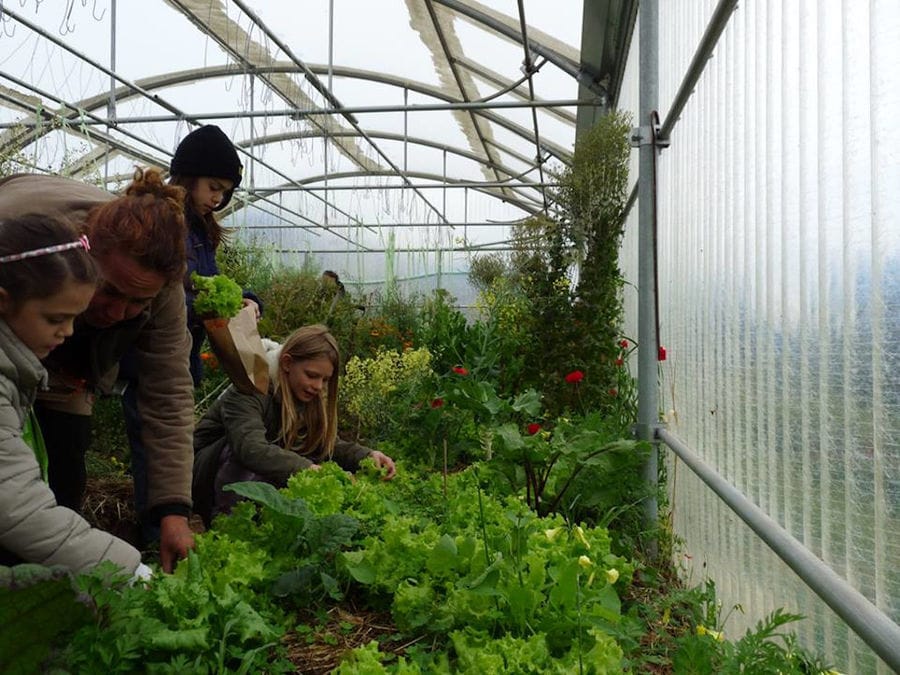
(504, 306)
(368, 385)
(562, 285)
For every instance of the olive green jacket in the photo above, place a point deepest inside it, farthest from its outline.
(249, 424)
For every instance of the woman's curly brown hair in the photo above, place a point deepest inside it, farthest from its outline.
(147, 223)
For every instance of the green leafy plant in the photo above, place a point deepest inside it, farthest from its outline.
(491, 565)
(193, 620)
(378, 392)
(557, 307)
(316, 540)
(218, 297)
(764, 649)
(548, 464)
(38, 605)
(249, 263)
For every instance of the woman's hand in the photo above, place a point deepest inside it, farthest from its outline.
(382, 460)
(175, 539)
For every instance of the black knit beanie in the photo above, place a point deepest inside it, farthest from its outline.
(207, 151)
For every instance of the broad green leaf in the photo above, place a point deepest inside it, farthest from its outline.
(38, 605)
(359, 567)
(528, 402)
(607, 605)
(563, 592)
(486, 582)
(602, 453)
(510, 436)
(267, 495)
(522, 603)
(443, 557)
(297, 582)
(193, 639)
(331, 586)
(328, 533)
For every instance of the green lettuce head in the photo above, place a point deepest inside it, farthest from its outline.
(218, 297)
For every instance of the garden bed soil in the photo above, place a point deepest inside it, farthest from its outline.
(345, 627)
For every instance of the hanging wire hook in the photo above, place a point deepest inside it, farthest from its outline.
(9, 29)
(66, 26)
(94, 11)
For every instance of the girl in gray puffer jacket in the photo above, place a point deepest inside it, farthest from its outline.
(47, 278)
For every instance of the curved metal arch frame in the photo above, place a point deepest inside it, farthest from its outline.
(400, 138)
(175, 78)
(425, 175)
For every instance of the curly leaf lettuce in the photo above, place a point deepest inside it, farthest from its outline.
(218, 297)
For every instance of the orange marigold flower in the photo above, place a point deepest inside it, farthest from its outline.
(574, 377)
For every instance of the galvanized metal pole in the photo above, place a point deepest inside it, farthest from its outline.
(648, 406)
(870, 623)
(111, 102)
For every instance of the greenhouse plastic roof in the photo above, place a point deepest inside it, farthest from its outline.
(361, 125)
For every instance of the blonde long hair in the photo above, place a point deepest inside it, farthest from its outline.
(318, 420)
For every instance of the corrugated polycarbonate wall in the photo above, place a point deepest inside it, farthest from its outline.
(779, 272)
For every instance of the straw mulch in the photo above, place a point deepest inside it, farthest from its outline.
(109, 505)
(346, 627)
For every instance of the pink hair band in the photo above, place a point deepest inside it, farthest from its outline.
(81, 242)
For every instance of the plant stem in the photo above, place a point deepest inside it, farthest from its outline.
(571, 477)
(487, 556)
(445, 467)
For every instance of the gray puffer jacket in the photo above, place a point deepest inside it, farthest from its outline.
(33, 527)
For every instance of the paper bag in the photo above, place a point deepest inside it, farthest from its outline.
(237, 345)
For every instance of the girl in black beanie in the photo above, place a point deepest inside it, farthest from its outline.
(206, 165)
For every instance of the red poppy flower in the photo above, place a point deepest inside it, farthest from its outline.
(533, 428)
(437, 403)
(620, 362)
(613, 392)
(623, 344)
(459, 370)
(574, 377)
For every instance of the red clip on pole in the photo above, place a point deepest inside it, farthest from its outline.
(661, 355)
